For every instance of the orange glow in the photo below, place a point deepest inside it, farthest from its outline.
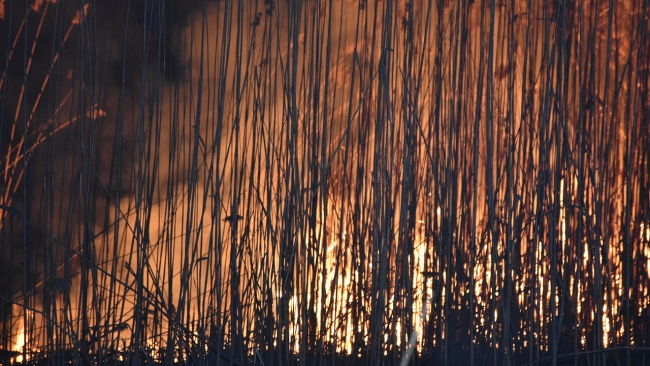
(418, 181)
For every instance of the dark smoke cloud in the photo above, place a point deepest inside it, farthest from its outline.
(87, 78)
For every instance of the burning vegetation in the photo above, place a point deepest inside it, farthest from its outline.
(325, 182)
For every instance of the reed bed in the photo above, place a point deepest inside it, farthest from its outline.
(325, 182)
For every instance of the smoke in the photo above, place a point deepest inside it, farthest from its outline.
(75, 84)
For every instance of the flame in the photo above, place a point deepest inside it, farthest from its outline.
(20, 344)
(21, 338)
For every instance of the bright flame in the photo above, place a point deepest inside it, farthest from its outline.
(20, 344)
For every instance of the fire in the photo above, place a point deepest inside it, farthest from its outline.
(358, 179)
(20, 344)
(21, 338)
